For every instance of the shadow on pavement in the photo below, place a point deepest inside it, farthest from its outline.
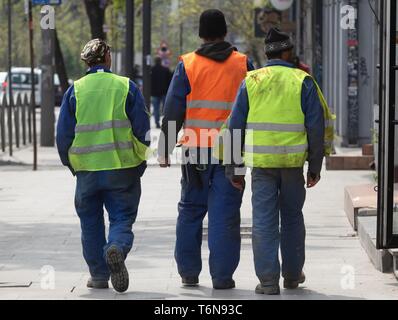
(30, 246)
(138, 295)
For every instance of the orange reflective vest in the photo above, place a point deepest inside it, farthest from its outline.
(214, 86)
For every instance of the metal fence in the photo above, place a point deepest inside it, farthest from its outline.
(16, 123)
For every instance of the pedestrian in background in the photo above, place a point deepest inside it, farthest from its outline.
(200, 98)
(161, 77)
(101, 137)
(283, 112)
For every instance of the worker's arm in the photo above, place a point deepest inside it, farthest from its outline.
(315, 126)
(236, 125)
(174, 111)
(66, 126)
(138, 114)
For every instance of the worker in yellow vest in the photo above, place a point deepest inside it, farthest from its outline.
(285, 122)
(102, 138)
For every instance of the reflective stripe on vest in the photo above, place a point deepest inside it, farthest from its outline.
(203, 124)
(104, 138)
(113, 124)
(214, 86)
(101, 148)
(276, 127)
(283, 150)
(212, 105)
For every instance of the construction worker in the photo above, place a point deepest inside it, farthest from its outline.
(200, 97)
(282, 112)
(101, 137)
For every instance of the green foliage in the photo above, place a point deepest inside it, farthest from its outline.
(74, 31)
(240, 19)
(72, 27)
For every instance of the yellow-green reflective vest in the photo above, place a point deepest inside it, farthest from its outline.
(104, 138)
(275, 135)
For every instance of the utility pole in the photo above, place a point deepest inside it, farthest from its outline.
(181, 29)
(10, 93)
(146, 51)
(33, 90)
(130, 53)
(47, 132)
(181, 38)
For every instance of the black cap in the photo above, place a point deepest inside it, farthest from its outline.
(277, 41)
(212, 24)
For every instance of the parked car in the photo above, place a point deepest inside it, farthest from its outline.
(21, 84)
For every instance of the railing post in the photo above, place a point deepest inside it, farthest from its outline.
(30, 120)
(17, 119)
(9, 123)
(3, 123)
(24, 104)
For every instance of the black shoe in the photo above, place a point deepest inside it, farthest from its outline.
(293, 284)
(190, 281)
(268, 290)
(119, 273)
(225, 285)
(97, 284)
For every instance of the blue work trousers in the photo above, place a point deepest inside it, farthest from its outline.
(278, 200)
(119, 191)
(216, 196)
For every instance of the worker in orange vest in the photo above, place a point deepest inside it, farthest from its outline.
(200, 98)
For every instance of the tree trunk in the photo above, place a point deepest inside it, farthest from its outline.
(254, 52)
(96, 14)
(60, 65)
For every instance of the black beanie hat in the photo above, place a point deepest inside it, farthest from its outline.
(212, 24)
(277, 41)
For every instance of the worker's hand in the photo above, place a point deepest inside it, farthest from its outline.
(239, 182)
(164, 162)
(312, 180)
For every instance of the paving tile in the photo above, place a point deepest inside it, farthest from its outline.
(34, 233)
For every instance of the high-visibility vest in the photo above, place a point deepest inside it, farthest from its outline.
(214, 86)
(276, 136)
(104, 138)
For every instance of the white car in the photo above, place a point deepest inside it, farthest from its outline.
(21, 84)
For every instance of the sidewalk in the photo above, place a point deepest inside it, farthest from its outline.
(38, 227)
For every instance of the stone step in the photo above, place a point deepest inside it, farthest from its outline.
(349, 162)
(368, 150)
(394, 253)
(359, 200)
(381, 259)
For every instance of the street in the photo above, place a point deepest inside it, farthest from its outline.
(40, 250)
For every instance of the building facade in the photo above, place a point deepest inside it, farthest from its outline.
(339, 39)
